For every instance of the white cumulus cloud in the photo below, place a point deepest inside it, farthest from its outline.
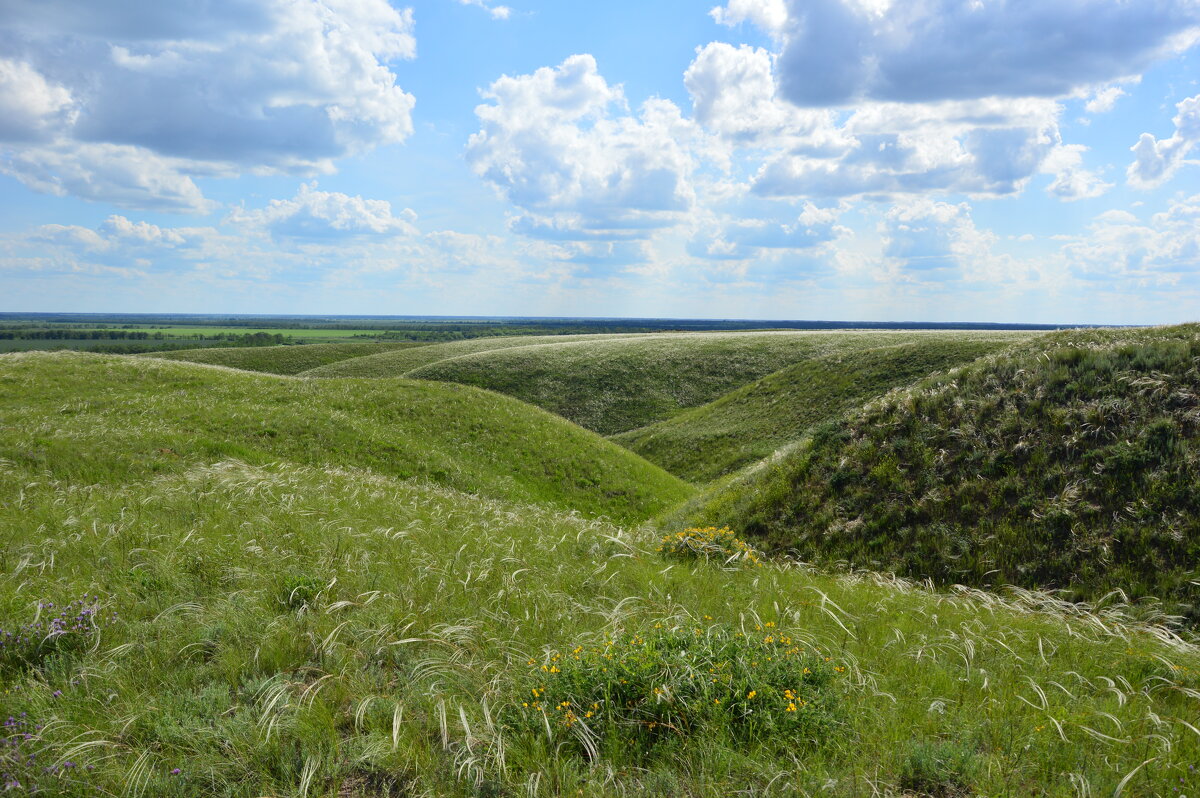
(742, 238)
(31, 107)
(314, 214)
(121, 174)
(562, 146)
(1071, 180)
(1156, 160)
(497, 12)
(1104, 100)
(986, 146)
(1161, 250)
(769, 15)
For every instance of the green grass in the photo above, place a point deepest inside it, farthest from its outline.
(751, 422)
(1069, 463)
(89, 417)
(283, 359)
(359, 588)
(287, 630)
(617, 385)
(398, 364)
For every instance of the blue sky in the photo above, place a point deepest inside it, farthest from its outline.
(941, 160)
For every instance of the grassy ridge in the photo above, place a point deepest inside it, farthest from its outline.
(398, 364)
(1069, 463)
(617, 385)
(746, 425)
(92, 419)
(282, 359)
(287, 631)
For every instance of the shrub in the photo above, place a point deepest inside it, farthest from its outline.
(629, 693)
(710, 543)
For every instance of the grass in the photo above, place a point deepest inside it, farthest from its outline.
(616, 385)
(287, 360)
(287, 630)
(751, 422)
(87, 417)
(400, 363)
(1070, 463)
(269, 586)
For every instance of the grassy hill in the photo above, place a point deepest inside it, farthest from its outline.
(616, 385)
(751, 422)
(399, 363)
(1071, 462)
(283, 359)
(221, 583)
(92, 419)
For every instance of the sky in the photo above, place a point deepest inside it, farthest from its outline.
(890, 160)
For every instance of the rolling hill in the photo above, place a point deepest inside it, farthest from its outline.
(87, 417)
(399, 363)
(616, 385)
(216, 582)
(751, 422)
(283, 359)
(1068, 463)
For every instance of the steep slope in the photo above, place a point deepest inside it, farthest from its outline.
(282, 359)
(398, 364)
(617, 385)
(751, 422)
(88, 417)
(1071, 462)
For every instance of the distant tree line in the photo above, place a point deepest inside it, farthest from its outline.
(66, 334)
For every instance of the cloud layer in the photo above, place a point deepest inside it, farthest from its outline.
(840, 52)
(178, 90)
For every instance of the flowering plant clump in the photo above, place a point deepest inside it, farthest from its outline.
(55, 629)
(710, 543)
(17, 759)
(631, 691)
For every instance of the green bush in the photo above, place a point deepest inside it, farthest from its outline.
(710, 543)
(630, 693)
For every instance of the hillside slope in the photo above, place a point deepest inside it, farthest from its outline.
(751, 422)
(398, 364)
(282, 359)
(1071, 462)
(88, 417)
(281, 630)
(617, 385)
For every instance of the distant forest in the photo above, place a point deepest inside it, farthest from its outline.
(477, 326)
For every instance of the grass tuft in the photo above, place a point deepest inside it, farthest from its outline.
(939, 769)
